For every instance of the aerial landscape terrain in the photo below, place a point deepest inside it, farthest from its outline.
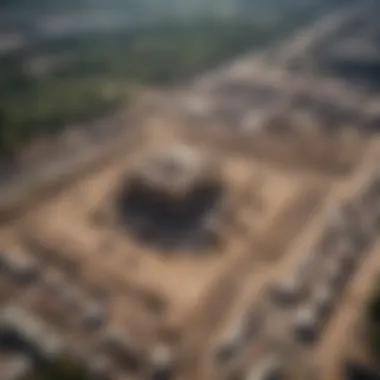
(193, 200)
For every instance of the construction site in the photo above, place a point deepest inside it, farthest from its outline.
(233, 236)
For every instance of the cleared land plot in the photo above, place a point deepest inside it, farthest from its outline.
(175, 288)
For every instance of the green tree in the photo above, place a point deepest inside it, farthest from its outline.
(373, 316)
(62, 368)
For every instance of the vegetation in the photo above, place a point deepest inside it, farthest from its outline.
(62, 368)
(91, 74)
(44, 105)
(33, 104)
(373, 313)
